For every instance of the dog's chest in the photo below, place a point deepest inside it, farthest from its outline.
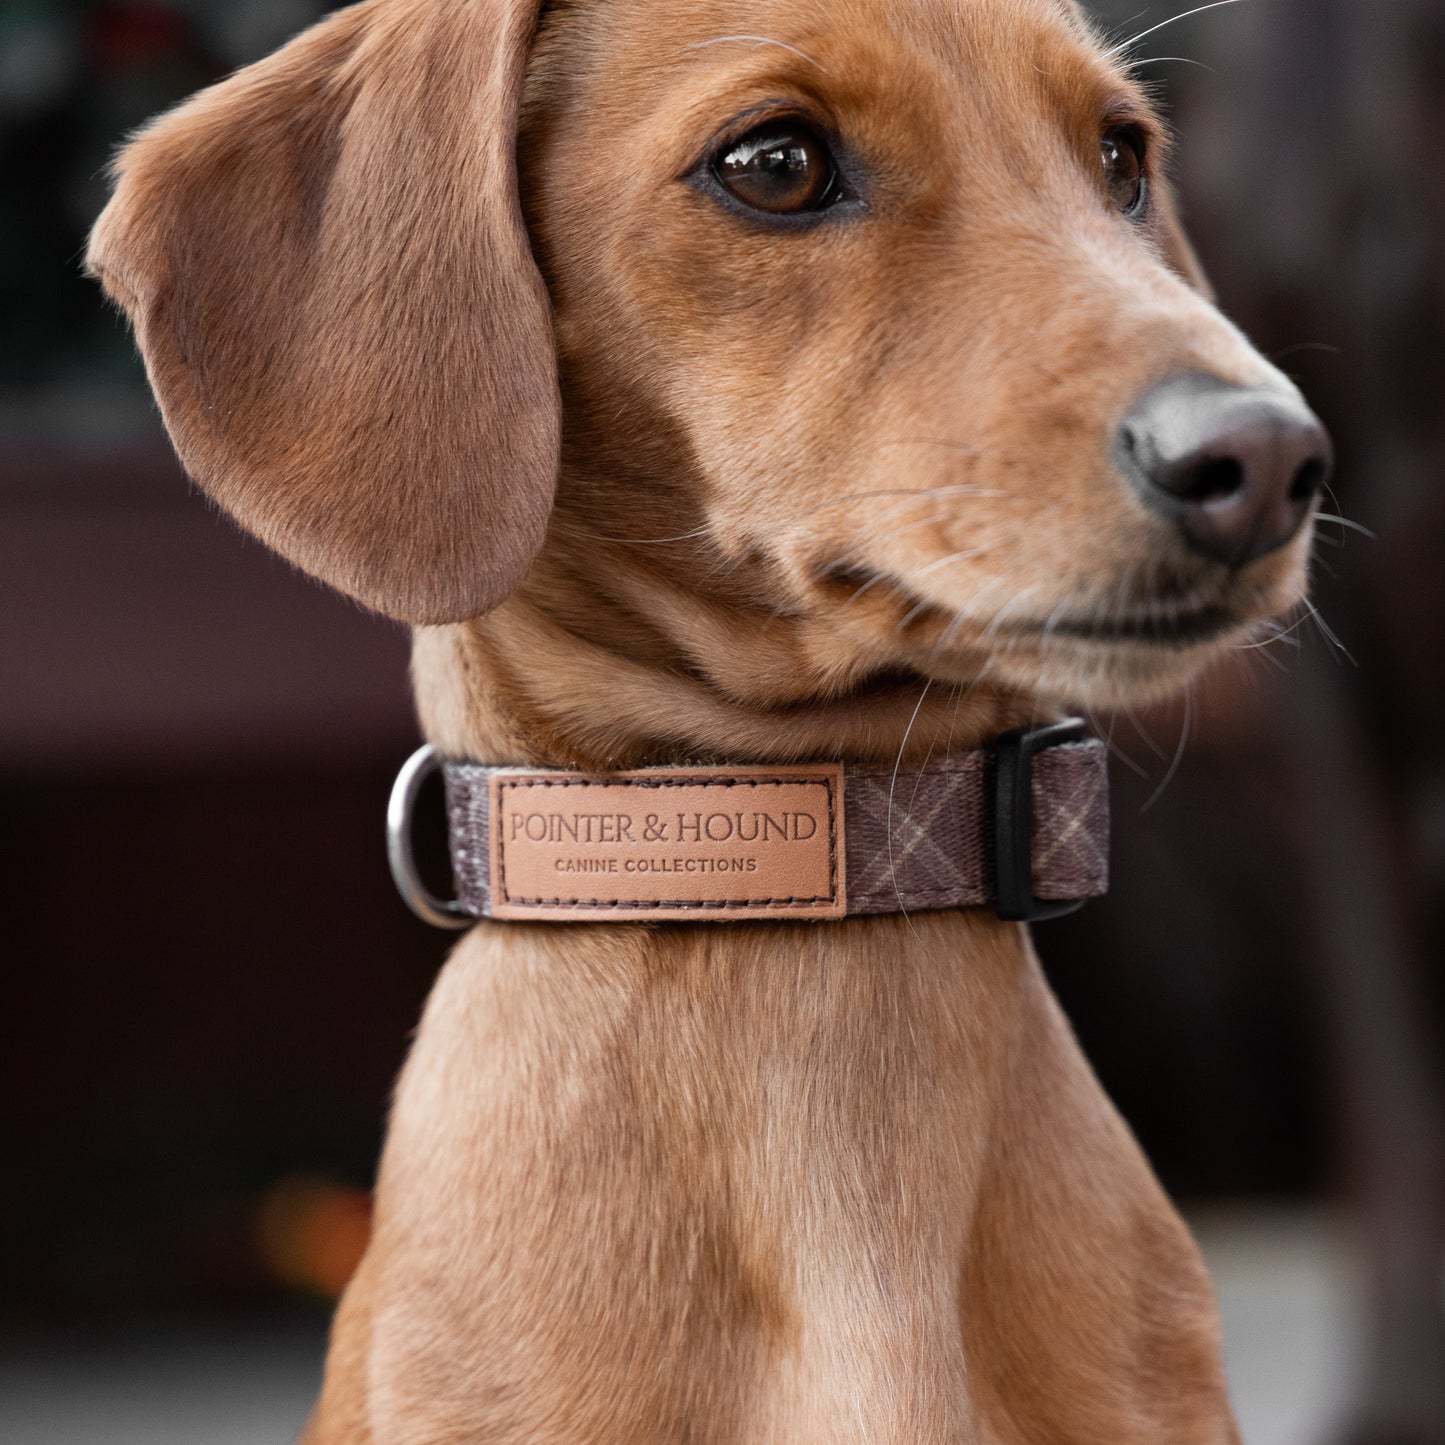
(689, 1162)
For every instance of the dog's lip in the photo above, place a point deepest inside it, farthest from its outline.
(1161, 626)
(1158, 622)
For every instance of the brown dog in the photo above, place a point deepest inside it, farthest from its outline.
(782, 382)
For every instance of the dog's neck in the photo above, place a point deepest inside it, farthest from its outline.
(520, 688)
(647, 672)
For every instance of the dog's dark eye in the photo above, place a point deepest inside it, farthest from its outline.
(779, 168)
(1122, 152)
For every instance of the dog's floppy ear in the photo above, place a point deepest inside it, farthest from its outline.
(325, 261)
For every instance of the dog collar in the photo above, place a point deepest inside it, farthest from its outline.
(1022, 826)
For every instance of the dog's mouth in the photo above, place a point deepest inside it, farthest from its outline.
(1096, 647)
(1172, 618)
(1160, 626)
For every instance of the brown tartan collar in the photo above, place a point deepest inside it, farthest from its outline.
(1022, 826)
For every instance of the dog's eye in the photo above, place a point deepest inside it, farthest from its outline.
(780, 168)
(1122, 152)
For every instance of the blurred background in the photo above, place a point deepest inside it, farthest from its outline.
(212, 982)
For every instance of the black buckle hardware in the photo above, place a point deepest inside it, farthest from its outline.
(1013, 821)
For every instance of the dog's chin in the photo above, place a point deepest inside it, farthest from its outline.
(1096, 653)
(1108, 671)
(1126, 662)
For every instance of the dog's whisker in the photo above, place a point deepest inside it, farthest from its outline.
(945, 638)
(907, 579)
(1329, 634)
(924, 604)
(1281, 636)
(959, 692)
(952, 557)
(1120, 25)
(872, 582)
(892, 788)
(1002, 613)
(927, 758)
(988, 643)
(1325, 346)
(756, 40)
(1115, 750)
(1185, 727)
(1266, 655)
(1116, 611)
(913, 613)
(986, 636)
(1277, 633)
(1148, 739)
(1164, 24)
(1169, 60)
(1339, 521)
(960, 620)
(1053, 619)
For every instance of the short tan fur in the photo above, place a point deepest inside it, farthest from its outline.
(441, 302)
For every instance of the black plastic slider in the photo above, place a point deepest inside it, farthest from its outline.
(1013, 821)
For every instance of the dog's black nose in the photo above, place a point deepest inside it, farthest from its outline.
(1236, 468)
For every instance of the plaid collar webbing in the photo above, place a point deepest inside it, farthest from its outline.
(1022, 826)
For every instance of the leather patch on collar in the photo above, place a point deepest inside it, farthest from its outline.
(673, 843)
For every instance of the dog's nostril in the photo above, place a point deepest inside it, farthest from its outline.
(1214, 481)
(1309, 481)
(1235, 468)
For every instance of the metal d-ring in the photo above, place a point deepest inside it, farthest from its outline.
(399, 852)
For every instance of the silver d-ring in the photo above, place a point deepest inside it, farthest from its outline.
(399, 853)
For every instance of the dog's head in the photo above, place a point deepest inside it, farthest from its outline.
(869, 325)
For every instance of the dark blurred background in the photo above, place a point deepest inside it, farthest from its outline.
(214, 981)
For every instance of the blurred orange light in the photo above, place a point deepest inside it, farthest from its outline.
(311, 1232)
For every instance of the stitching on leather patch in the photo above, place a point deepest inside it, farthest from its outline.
(685, 844)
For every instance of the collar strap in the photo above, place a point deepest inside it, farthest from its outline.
(1023, 826)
